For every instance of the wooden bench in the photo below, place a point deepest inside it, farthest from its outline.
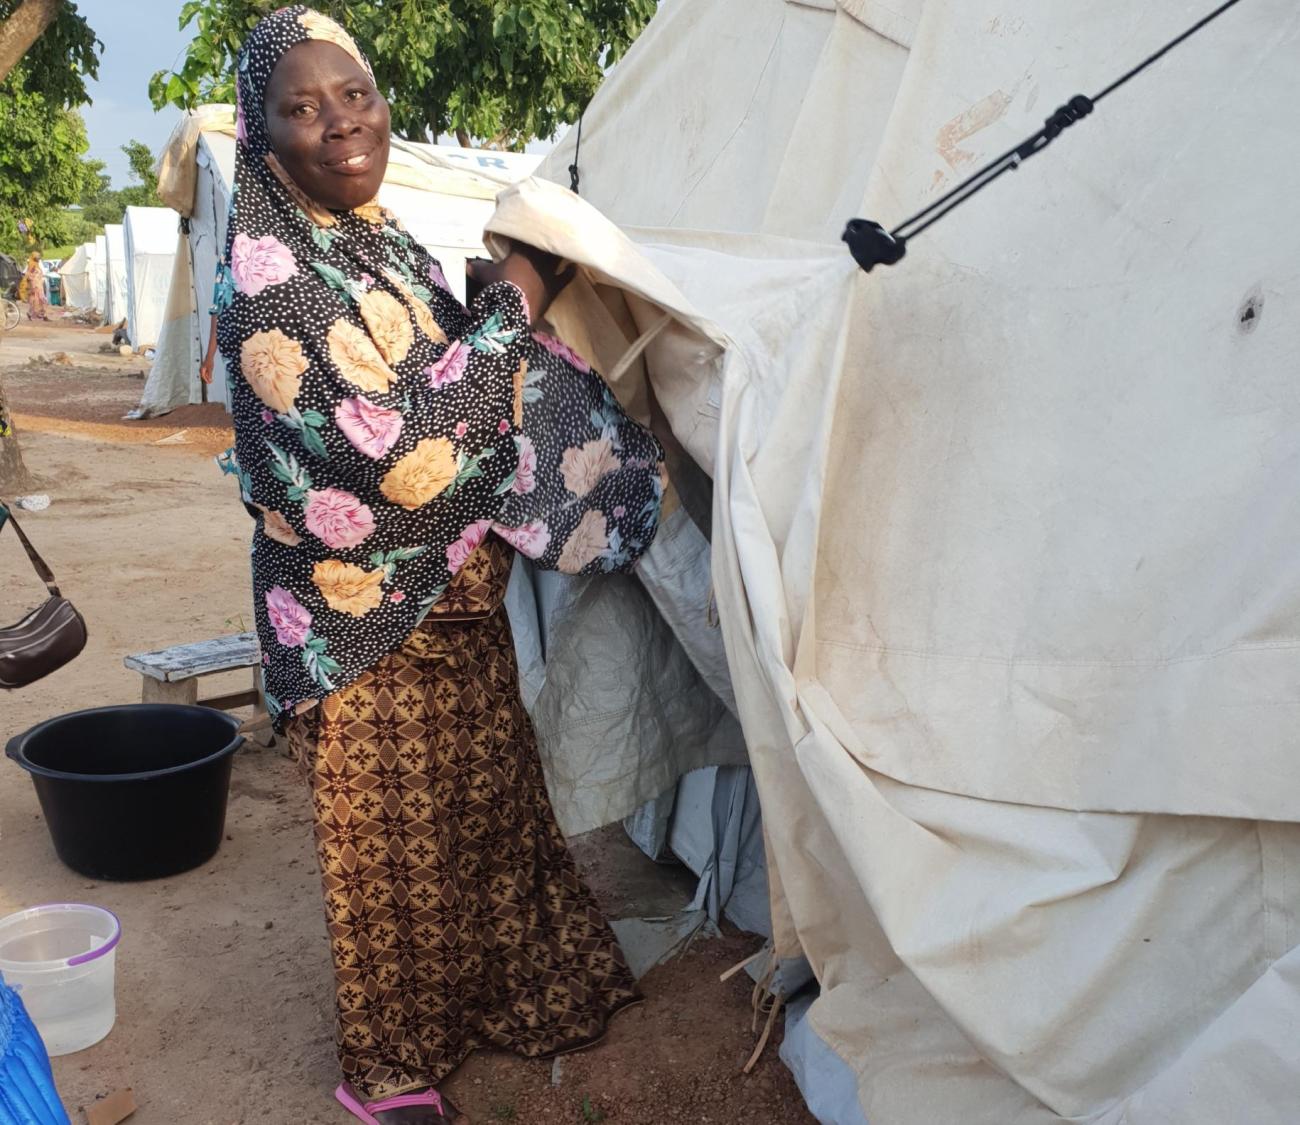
(171, 675)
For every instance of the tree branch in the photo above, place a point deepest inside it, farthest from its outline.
(22, 29)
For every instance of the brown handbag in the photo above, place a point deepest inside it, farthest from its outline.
(47, 638)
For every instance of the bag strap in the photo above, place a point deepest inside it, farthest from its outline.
(43, 571)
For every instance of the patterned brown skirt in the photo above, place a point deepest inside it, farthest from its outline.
(455, 912)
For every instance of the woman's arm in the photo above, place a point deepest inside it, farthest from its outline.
(209, 360)
(535, 273)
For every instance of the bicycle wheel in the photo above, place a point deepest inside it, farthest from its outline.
(12, 315)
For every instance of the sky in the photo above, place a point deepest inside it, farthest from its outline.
(139, 37)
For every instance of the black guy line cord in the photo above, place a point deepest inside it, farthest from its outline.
(872, 245)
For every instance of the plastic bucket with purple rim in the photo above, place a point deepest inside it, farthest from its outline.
(61, 959)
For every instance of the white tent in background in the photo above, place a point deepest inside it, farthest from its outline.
(99, 273)
(443, 195)
(1003, 566)
(150, 236)
(116, 266)
(78, 278)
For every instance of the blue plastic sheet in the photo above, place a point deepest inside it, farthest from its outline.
(27, 1093)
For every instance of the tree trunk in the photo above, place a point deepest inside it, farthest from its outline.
(22, 29)
(26, 25)
(13, 473)
(462, 138)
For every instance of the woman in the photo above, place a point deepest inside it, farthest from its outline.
(389, 442)
(38, 302)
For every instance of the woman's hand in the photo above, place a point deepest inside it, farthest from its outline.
(534, 271)
(210, 359)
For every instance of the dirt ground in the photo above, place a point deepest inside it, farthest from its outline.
(223, 981)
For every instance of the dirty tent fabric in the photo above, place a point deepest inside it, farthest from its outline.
(1003, 567)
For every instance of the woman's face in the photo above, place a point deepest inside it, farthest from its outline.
(328, 125)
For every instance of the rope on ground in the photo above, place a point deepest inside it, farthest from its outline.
(743, 965)
(764, 1000)
(777, 1002)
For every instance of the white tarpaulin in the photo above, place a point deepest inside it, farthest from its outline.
(150, 237)
(99, 272)
(115, 271)
(78, 278)
(1002, 536)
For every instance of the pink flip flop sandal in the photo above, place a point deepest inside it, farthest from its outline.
(402, 1101)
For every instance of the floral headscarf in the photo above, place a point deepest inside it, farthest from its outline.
(383, 429)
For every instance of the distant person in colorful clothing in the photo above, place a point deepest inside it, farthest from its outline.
(38, 300)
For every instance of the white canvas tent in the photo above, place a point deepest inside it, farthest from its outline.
(115, 268)
(150, 238)
(99, 272)
(78, 278)
(444, 196)
(1002, 562)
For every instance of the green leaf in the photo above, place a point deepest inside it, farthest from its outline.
(315, 444)
(323, 238)
(334, 277)
(313, 417)
(282, 464)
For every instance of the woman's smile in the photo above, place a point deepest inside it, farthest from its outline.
(328, 125)
(353, 164)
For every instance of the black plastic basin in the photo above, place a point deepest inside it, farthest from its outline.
(134, 792)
